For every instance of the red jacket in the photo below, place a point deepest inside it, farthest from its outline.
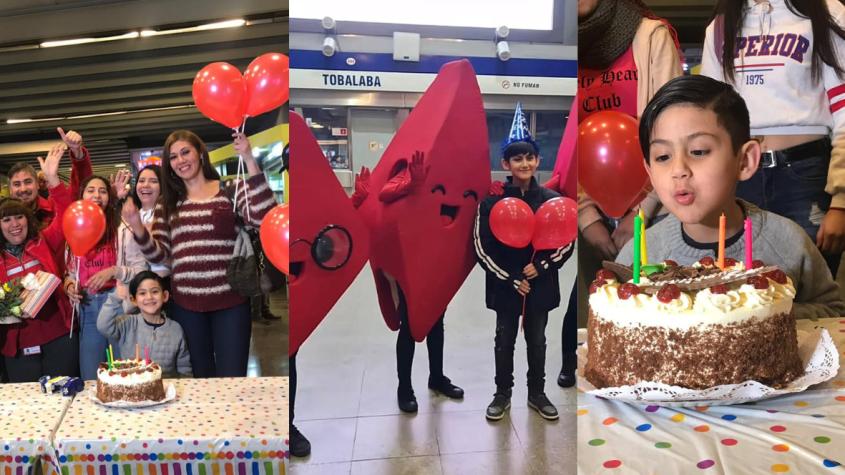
(53, 320)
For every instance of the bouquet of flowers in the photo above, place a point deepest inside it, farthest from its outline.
(24, 298)
(10, 301)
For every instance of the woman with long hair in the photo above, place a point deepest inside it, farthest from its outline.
(786, 58)
(98, 271)
(196, 227)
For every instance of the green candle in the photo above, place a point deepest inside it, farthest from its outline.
(638, 223)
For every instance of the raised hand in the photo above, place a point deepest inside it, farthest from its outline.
(362, 187)
(132, 216)
(120, 183)
(50, 165)
(242, 145)
(417, 168)
(73, 141)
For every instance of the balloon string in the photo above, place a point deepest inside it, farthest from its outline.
(525, 297)
(75, 306)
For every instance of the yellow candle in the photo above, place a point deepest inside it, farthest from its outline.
(643, 247)
(722, 224)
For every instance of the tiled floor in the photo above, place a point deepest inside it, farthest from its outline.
(268, 351)
(346, 404)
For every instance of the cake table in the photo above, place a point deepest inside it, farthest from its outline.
(220, 426)
(799, 433)
(28, 419)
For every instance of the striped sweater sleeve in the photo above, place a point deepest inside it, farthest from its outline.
(484, 243)
(256, 202)
(835, 88)
(155, 244)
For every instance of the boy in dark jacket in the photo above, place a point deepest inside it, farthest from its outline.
(512, 276)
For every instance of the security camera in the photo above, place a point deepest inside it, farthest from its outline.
(503, 50)
(328, 23)
(329, 46)
(502, 32)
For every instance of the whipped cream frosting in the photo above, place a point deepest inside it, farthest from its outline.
(696, 308)
(133, 378)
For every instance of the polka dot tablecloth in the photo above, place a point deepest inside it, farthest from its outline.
(223, 426)
(27, 419)
(803, 433)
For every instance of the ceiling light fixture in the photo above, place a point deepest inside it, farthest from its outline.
(82, 41)
(208, 26)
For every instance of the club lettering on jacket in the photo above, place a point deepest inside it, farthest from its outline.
(787, 45)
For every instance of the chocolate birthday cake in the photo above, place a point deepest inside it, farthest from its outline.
(694, 327)
(129, 380)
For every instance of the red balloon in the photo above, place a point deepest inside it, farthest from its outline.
(555, 224)
(275, 237)
(266, 81)
(512, 222)
(220, 94)
(83, 224)
(611, 167)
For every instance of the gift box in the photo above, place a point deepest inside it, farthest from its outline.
(37, 291)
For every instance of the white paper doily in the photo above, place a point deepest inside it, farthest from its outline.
(816, 348)
(169, 395)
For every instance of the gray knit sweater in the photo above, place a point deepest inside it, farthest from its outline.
(167, 342)
(777, 241)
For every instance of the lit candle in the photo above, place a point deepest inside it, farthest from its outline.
(749, 255)
(643, 248)
(637, 239)
(722, 224)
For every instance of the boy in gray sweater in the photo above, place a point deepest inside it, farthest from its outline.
(695, 137)
(149, 328)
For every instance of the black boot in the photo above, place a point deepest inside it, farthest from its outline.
(299, 445)
(407, 400)
(566, 378)
(445, 387)
(499, 407)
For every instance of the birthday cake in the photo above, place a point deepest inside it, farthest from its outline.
(695, 327)
(130, 380)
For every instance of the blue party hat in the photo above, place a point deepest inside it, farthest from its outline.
(519, 131)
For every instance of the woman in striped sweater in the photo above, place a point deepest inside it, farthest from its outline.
(196, 228)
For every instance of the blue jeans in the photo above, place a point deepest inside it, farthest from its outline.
(795, 191)
(92, 344)
(218, 341)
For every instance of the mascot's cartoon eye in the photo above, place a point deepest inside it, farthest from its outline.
(469, 193)
(439, 188)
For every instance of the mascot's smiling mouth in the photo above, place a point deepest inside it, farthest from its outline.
(448, 214)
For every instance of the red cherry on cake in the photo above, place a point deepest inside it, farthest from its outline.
(707, 261)
(777, 275)
(758, 281)
(594, 285)
(670, 263)
(719, 289)
(604, 274)
(627, 290)
(729, 262)
(756, 264)
(668, 293)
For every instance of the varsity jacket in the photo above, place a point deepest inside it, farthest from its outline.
(503, 264)
(773, 64)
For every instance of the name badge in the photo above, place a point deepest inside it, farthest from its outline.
(32, 350)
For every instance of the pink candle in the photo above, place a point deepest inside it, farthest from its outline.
(748, 246)
(147, 354)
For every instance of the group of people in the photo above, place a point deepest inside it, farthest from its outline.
(782, 61)
(156, 279)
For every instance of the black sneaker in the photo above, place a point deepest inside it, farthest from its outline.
(566, 378)
(446, 388)
(407, 401)
(540, 403)
(500, 405)
(299, 445)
